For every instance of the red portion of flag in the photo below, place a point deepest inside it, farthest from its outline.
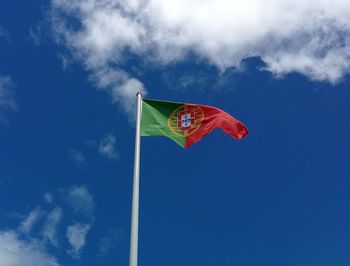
(216, 118)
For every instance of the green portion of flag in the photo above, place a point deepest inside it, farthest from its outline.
(155, 115)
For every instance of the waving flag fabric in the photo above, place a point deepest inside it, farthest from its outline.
(186, 123)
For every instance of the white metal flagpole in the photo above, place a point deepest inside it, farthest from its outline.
(136, 188)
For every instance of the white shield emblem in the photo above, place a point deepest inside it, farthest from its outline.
(186, 120)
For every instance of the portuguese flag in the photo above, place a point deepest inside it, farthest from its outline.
(186, 123)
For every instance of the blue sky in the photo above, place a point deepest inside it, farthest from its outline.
(68, 75)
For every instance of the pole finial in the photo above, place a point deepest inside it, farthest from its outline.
(139, 92)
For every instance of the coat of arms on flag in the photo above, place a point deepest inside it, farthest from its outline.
(185, 119)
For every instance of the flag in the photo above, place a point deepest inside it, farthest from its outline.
(186, 123)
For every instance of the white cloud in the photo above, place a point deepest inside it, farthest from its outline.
(107, 147)
(7, 100)
(17, 252)
(49, 231)
(289, 36)
(81, 200)
(122, 88)
(76, 235)
(28, 223)
(105, 32)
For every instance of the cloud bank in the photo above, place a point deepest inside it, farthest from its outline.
(289, 36)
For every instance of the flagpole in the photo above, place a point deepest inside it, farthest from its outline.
(136, 187)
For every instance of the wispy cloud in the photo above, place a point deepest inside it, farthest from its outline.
(4, 34)
(38, 233)
(49, 231)
(107, 147)
(77, 157)
(15, 251)
(7, 99)
(120, 85)
(28, 223)
(36, 33)
(110, 241)
(48, 197)
(76, 235)
(81, 200)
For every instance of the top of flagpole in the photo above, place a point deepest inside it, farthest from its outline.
(139, 92)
